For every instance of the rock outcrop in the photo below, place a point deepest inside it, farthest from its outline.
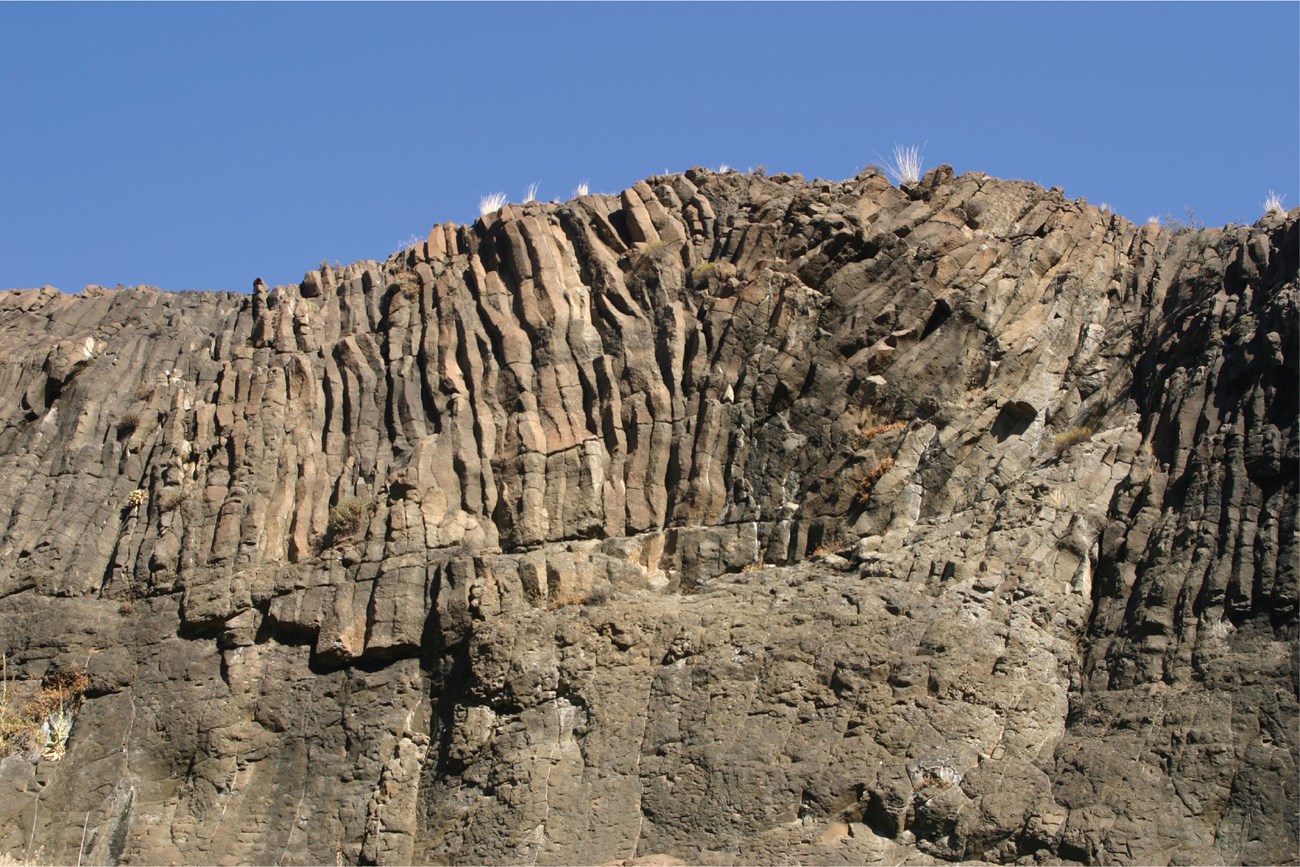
(731, 519)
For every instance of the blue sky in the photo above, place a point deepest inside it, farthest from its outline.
(198, 146)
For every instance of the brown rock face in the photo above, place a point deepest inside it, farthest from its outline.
(732, 519)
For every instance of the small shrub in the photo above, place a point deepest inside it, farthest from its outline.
(703, 269)
(1220, 630)
(128, 423)
(55, 729)
(172, 497)
(656, 251)
(589, 598)
(407, 243)
(1072, 437)
(599, 595)
(1181, 226)
(1242, 330)
(406, 284)
(868, 482)
(346, 517)
(44, 721)
(137, 498)
(143, 391)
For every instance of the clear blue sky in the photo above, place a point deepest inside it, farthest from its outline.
(198, 146)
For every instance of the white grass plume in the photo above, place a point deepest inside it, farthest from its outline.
(491, 202)
(906, 165)
(1273, 203)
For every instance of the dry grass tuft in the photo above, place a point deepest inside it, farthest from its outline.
(703, 269)
(590, 596)
(877, 430)
(1072, 437)
(868, 482)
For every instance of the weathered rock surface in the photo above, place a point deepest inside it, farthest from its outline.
(732, 519)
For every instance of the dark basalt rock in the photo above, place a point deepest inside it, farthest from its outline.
(732, 519)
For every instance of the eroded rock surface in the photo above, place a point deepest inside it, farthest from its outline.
(731, 519)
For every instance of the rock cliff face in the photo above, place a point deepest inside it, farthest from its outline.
(731, 519)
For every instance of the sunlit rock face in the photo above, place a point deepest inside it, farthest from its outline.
(730, 519)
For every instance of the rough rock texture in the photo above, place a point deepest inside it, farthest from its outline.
(731, 519)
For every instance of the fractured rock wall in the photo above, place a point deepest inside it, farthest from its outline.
(731, 518)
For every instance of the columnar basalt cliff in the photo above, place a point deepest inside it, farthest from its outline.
(733, 519)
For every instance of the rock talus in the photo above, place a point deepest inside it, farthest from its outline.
(733, 519)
